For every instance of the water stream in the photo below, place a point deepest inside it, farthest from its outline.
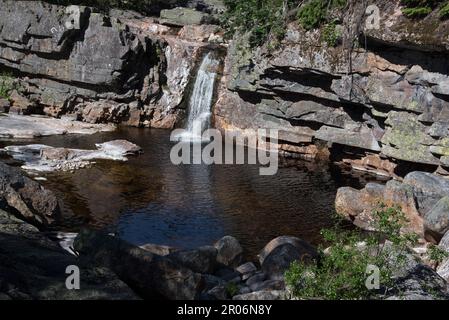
(200, 102)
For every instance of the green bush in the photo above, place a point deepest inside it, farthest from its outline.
(315, 12)
(258, 17)
(340, 272)
(417, 12)
(422, 8)
(437, 255)
(331, 34)
(6, 85)
(444, 11)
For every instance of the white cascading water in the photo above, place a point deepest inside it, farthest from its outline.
(201, 100)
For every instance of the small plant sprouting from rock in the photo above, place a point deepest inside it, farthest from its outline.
(444, 11)
(437, 255)
(6, 85)
(421, 8)
(314, 13)
(259, 18)
(340, 272)
(232, 289)
(332, 34)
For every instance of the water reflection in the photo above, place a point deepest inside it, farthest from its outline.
(148, 199)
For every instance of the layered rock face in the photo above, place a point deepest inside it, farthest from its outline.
(119, 68)
(384, 103)
(422, 196)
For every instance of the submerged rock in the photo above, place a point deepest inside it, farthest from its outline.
(26, 197)
(46, 159)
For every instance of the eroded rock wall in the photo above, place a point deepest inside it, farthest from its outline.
(119, 67)
(380, 104)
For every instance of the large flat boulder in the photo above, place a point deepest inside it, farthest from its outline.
(43, 158)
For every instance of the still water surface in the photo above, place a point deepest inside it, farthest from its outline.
(150, 200)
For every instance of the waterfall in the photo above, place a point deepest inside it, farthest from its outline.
(201, 99)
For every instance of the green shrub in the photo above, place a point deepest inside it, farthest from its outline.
(340, 272)
(417, 12)
(437, 255)
(444, 11)
(6, 85)
(260, 18)
(315, 12)
(422, 8)
(331, 34)
(232, 289)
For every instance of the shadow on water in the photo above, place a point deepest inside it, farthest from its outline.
(150, 200)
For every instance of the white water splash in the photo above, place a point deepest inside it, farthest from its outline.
(201, 100)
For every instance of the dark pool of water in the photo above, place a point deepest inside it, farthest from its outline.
(150, 200)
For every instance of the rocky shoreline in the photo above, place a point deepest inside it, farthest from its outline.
(381, 108)
(114, 269)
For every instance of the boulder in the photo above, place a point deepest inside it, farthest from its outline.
(33, 267)
(428, 189)
(444, 243)
(246, 270)
(230, 252)
(437, 219)
(268, 285)
(258, 277)
(443, 270)
(211, 281)
(357, 205)
(279, 253)
(151, 275)
(27, 198)
(184, 16)
(300, 245)
(201, 260)
(218, 293)
(4, 105)
(262, 295)
(420, 281)
(21, 105)
(227, 274)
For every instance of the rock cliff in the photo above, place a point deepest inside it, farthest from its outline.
(378, 100)
(378, 105)
(118, 67)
